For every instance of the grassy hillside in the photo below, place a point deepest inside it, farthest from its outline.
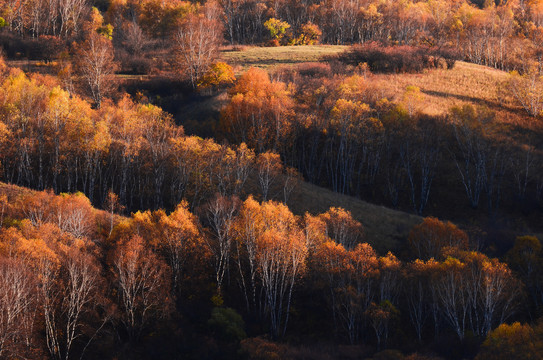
(385, 229)
(441, 89)
(466, 83)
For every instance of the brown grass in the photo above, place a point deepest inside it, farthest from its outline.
(266, 57)
(465, 84)
(385, 229)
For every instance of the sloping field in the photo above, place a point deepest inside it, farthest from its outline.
(464, 84)
(385, 229)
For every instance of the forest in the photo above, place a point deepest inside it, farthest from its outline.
(271, 179)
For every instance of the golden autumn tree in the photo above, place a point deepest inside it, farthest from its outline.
(389, 277)
(270, 252)
(221, 214)
(68, 284)
(429, 238)
(281, 253)
(71, 286)
(175, 237)
(510, 341)
(219, 74)
(248, 226)
(419, 294)
(259, 111)
(342, 228)
(351, 276)
(475, 292)
(73, 213)
(269, 169)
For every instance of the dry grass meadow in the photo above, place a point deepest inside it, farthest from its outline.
(466, 83)
(441, 89)
(265, 57)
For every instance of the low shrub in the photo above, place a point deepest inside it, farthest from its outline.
(42, 48)
(398, 59)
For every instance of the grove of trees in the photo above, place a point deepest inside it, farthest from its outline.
(71, 287)
(125, 236)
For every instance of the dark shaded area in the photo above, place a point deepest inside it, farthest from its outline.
(398, 59)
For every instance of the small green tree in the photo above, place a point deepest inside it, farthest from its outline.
(277, 28)
(227, 324)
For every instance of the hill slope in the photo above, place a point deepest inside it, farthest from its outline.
(385, 229)
(266, 57)
(466, 83)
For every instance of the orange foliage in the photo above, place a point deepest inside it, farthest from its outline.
(430, 237)
(341, 227)
(259, 111)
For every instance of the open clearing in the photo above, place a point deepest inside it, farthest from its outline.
(265, 57)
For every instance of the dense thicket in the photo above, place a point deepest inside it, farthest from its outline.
(51, 140)
(398, 59)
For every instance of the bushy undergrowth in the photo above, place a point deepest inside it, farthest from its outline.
(42, 48)
(398, 59)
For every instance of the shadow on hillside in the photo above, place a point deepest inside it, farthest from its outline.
(482, 102)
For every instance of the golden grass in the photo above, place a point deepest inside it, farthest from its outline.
(464, 84)
(266, 57)
(385, 229)
(133, 77)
